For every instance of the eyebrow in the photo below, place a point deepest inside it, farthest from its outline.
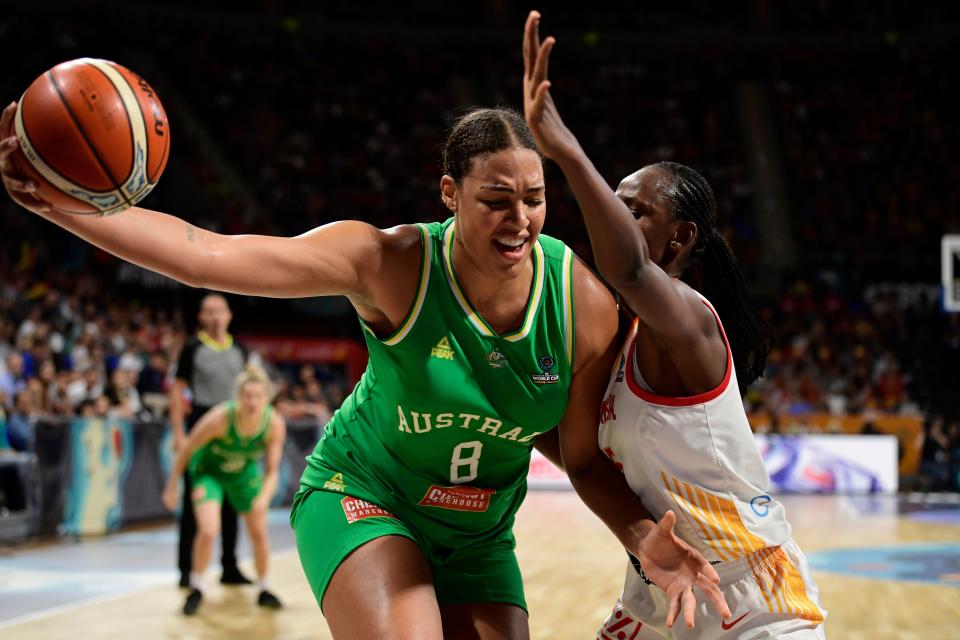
(506, 189)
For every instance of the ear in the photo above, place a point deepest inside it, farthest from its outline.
(448, 192)
(685, 235)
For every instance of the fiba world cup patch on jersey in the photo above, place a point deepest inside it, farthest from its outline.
(356, 509)
(457, 498)
(546, 363)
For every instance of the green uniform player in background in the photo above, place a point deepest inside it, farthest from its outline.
(224, 452)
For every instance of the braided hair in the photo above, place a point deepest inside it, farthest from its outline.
(692, 200)
(480, 132)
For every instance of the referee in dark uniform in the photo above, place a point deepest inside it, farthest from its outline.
(209, 364)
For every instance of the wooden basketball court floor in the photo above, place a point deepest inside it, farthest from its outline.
(888, 568)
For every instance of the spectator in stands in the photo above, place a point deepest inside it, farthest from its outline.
(20, 421)
(59, 398)
(13, 380)
(935, 455)
(152, 378)
(123, 395)
(85, 409)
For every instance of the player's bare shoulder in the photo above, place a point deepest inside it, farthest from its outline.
(391, 274)
(706, 321)
(595, 311)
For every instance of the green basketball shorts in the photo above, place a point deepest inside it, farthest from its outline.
(240, 490)
(329, 526)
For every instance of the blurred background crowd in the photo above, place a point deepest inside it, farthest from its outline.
(826, 134)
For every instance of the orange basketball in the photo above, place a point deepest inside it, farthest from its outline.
(93, 136)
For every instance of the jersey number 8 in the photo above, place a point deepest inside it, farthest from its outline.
(471, 461)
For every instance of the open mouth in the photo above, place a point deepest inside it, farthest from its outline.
(510, 248)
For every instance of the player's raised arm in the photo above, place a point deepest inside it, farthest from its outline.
(620, 251)
(338, 258)
(672, 564)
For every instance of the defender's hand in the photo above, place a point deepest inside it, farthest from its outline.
(549, 132)
(676, 567)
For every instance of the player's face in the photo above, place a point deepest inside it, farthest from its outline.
(214, 314)
(500, 208)
(643, 193)
(253, 398)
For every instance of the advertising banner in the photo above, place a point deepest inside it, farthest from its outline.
(796, 464)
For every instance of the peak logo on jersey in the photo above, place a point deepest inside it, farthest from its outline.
(416, 422)
(356, 509)
(457, 498)
(623, 361)
(335, 483)
(496, 359)
(545, 362)
(620, 626)
(760, 505)
(442, 350)
(608, 409)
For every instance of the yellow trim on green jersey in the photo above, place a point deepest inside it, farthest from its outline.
(567, 286)
(536, 291)
(426, 258)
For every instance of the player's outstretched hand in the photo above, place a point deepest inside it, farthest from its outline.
(551, 135)
(20, 188)
(676, 567)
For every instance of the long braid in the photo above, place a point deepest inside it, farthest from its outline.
(720, 279)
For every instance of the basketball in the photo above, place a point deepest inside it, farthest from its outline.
(93, 136)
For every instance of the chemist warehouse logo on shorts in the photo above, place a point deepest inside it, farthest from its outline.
(457, 498)
(355, 509)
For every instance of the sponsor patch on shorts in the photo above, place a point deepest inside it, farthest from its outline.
(457, 498)
(356, 509)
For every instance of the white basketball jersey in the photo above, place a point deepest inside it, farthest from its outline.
(695, 455)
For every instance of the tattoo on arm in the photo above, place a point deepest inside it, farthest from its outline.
(190, 235)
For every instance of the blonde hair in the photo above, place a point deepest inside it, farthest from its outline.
(253, 373)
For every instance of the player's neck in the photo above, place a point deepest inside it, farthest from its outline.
(247, 424)
(219, 337)
(485, 291)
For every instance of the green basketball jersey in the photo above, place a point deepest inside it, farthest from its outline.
(232, 454)
(440, 427)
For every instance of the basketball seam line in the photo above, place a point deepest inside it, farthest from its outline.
(166, 138)
(133, 139)
(93, 149)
